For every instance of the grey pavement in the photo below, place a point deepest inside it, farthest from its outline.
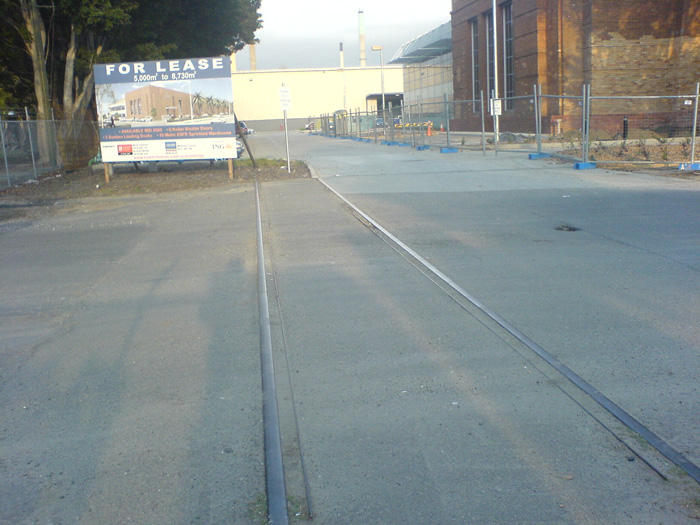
(129, 374)
(616, 299)
(624, 287)
(129, 371)
(411, 411)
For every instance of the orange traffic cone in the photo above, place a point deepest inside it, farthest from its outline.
(442, 128)
(430, 131)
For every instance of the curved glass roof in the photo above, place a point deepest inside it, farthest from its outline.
(432, 44)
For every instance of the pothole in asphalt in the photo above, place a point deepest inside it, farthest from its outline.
(566, 228)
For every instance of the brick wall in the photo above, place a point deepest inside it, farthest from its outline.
(635, 47)
(644, 47)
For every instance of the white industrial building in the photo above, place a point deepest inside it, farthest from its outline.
(313, 92)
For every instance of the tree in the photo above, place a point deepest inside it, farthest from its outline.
(211, 104)
(65, 38)
(198, 102)
(188, 28)
(16, 85)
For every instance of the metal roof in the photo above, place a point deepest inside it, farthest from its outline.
(432, 44)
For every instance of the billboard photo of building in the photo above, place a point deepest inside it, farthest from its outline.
(166, 110)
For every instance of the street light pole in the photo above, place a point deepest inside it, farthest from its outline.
(381, 67)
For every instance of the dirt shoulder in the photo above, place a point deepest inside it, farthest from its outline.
(34, 199)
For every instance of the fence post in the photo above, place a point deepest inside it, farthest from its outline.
(588, 123)
(585, 121)
(447, 118)
(391, 124)
(537, 88)
(496, 129)
(4, 152)
(359, 122)
(695, 122)
(483, 121)
(420, 122)
(57, 159)
(374, 125)
(31, 142)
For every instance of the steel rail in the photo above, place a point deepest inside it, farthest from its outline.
(274, 467)
(610, 406)
(285, 346)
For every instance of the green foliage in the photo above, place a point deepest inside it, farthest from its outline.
(186, 28)
(16, 88)
(99, 15)
(149, 51)
(117, 31)
(624, 148)
(686, 146)
(642, 144)
(663, 142)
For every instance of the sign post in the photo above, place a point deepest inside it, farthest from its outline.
(285, 103)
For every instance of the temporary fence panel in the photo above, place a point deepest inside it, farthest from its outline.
(468, 125)
(561, 125)
(581, 127)
(517, 124)
(654, 130)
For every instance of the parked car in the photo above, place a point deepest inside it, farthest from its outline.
(245, 129)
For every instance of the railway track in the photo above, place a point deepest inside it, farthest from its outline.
(630, 432)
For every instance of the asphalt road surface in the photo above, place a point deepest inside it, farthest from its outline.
(129, 361)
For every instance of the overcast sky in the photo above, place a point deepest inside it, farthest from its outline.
(306, 33)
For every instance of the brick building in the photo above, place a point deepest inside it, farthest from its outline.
(637, 47)
(157, 103)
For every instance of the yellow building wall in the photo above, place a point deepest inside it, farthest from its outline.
(313, 92)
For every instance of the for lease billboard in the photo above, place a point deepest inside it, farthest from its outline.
(166, 110)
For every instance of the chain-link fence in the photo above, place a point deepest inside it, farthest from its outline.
(561, 130)
(655, 130)
(642, 130)
(31, 149)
